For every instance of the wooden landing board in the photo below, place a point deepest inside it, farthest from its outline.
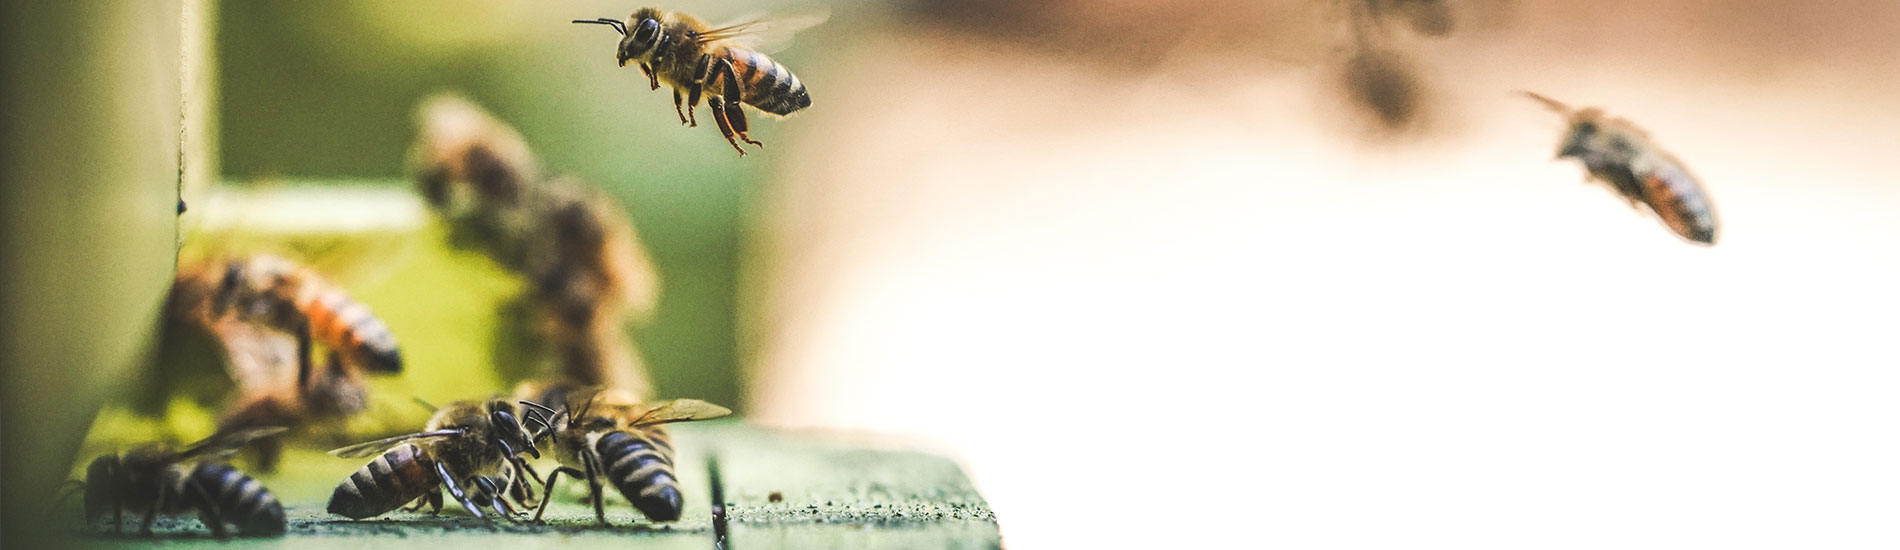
(831, 495)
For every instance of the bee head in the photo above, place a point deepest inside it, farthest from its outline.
(642, 36)
(1580, 140)
(227, 287)
(508, 432)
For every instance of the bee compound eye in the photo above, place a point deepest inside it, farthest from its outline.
(649, 29)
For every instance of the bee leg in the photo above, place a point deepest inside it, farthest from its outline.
(518, 486)
(652, 79)
(725, 126)
(734, 115)
(491, 496)
(548, 489)
(456, 490)
(677, 106)
(118, 514)
(208, 510)
(304, 367)
(145, 527)
(593, 486)
(721, 106)
(435, 502)
(693, 90)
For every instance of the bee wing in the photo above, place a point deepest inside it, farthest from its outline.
(767, 34)
(256, 356)
(223, 444)
(373, 448)
(681, 410)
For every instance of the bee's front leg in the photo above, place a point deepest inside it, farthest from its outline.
(652, 79)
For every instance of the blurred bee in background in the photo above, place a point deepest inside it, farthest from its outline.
(688, 54)
(157, 479)
(1620, 155)
(1379, 76)
(1426, 17)
(267, 313)
(610, 434)
(585, 265)
(471, 448)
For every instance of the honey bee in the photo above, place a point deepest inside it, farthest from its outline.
(608, 433)
(161, 480)
(468, 443)
(1620, 155)
(688, 54)
(265, 313)
(278, 293)
(588, 275)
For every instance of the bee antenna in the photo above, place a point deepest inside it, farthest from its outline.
(534, 418)
(543, 408)
(618, 26)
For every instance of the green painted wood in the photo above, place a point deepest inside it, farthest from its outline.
(835, 494)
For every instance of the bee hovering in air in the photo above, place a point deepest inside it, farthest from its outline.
(466, 443)
(158, 479)
(607, 433)
(1622, 156)
(281, 294)
(687, 54)
(265, 312)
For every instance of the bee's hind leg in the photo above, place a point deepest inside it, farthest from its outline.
(455, 490)
(735, 114)
(208, 510)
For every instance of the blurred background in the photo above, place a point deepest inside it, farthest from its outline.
(1212, 273)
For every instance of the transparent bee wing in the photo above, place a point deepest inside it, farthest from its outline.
(769, 33)
(257, 358)
(373, 448)
(223, 444)
(680, 410)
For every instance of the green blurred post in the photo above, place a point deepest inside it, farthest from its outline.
(90, 123)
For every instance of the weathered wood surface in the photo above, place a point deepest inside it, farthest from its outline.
(833, 494)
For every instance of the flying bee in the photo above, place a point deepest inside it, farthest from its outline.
(1620, 155)
(466, 443)
(688, 54)
(265, 312)
(281, 294)
(161, 480)
(608, 433)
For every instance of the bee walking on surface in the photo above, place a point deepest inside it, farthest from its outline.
(160, 480)
(608, 434)
(469, 444)
(687, 54)
(1620, 155)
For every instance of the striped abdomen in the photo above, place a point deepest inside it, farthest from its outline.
(642, 469)
(392, 480)
(239, 500)
(348, 327)
(1676, 198)
(766, 84)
